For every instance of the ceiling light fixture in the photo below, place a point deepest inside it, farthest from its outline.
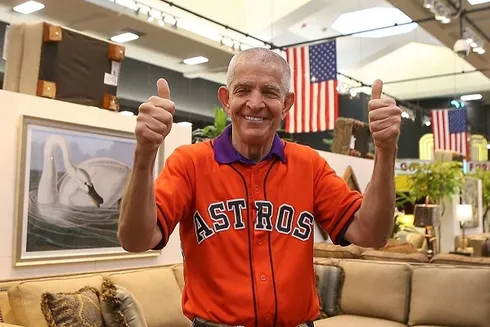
(196, 60)
(124, 37)
(471, 97)
(28, 7)
(374, 18)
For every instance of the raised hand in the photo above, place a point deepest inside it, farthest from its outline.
(384, 119)
(155, 119)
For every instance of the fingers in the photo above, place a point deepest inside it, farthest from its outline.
(379, 125)
(377, 89)
(160, 103)
(386, 136)
(163, 89)
(384, 112)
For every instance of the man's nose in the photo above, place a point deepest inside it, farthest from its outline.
(255, 101)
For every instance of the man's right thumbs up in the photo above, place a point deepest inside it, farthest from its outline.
(155, 118)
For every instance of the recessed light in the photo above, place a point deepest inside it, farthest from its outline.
(124, 37)
(196, 60)
(28, 7)
(471, 97)
(477, 2)
(373, 18)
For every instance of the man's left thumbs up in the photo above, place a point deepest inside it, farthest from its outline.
(384, 120)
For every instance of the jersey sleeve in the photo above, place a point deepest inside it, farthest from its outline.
(335, 203)
(173, 193)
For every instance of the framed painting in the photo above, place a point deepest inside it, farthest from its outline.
(472, 194)
(70, 183)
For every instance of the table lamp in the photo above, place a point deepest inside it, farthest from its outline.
(464, 214)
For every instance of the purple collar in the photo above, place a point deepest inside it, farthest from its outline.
(225, 153)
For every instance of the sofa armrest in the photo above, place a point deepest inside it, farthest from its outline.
(2, 324)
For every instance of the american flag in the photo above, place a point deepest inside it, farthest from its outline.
(314, 81)
(450, 129)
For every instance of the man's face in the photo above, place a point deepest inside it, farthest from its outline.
(256, 101)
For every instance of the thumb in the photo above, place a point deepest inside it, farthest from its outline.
(163, 89)
(377, 89)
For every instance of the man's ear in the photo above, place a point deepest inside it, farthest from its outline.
(224, 97)
(288, 103)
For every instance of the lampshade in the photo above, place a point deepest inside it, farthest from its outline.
(426, 215)
(464, 212)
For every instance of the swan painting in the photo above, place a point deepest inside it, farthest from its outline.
(71, 182)
(93, 183)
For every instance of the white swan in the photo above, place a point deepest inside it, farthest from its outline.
(97, 182)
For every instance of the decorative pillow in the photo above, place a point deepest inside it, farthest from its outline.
(119, 307)
(330, 281)
(77, 309)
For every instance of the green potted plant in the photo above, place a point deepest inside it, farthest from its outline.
(484, 176)
(212, 131)
(432, 182)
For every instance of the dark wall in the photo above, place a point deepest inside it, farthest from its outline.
(138, 82)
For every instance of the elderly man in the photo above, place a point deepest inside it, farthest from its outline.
(246, 201)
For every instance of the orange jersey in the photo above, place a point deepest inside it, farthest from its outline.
(247, 229)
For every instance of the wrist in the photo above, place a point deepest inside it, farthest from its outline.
(144, 157)
(386, 153)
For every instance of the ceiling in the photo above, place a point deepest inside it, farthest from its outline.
(424, 51)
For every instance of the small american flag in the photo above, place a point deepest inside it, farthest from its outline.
(450, 129)
(314, 81)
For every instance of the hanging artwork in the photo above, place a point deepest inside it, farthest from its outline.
(71, 181)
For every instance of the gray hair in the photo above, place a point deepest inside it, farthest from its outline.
(264, 56)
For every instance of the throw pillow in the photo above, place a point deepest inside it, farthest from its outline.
(330, 281)
(120, 308)
(77, 309)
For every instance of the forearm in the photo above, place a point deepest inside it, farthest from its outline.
(376, 214)
(137, 220)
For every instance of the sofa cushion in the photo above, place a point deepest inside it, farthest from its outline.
(75, 309)
(120, 308)
(455, 259)
(157, 292)
(25, 297)
(450, 296)
(376, 289)
(356, 321)
(179, 275)
(394, 256)
(330, 280)
(328, 250)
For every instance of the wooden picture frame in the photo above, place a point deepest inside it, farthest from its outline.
(70, 182)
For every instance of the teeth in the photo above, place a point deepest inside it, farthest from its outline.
(254, 118)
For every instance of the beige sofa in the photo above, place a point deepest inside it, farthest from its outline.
(371, 293)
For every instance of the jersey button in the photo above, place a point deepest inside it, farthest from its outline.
(259, 242)
(263, 278)
(256, 188)
(256, 171)
(267, 316)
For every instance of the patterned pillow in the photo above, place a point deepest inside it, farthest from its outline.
(77, 309)
(330, 280)
(119, 307)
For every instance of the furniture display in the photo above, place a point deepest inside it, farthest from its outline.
(359, 287)
(56, 62)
